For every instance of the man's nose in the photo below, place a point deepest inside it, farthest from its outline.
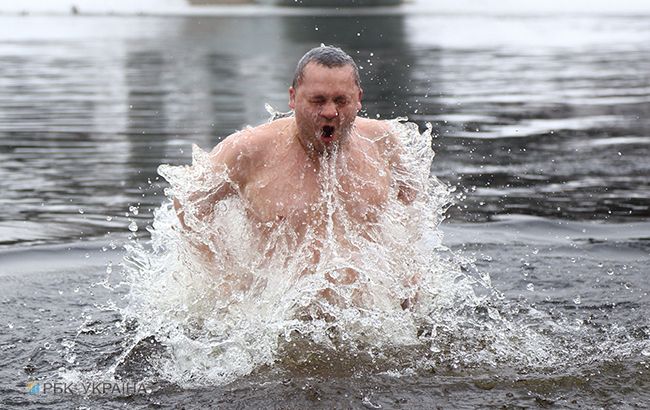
(329, 111)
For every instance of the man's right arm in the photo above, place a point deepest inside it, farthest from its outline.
(225, 176)
(203, 203)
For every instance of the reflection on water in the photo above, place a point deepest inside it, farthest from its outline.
(87, 118)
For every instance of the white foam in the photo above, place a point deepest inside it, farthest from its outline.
(243, 308)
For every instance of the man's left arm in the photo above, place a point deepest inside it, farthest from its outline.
(394, 153)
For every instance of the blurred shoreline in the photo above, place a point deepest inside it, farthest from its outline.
(410, 7)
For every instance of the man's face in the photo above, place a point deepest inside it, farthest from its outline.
(325, 104)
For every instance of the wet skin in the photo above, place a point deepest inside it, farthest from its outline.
(325, 104)
(282, 170)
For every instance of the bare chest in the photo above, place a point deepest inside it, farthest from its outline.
(306, 196)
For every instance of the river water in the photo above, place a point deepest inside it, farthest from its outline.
(540, 127)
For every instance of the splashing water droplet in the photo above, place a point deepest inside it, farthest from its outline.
(276, 276)
(133, 227)
(577, 300)
(367, 403)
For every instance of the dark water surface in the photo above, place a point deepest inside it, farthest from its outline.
(543, 125)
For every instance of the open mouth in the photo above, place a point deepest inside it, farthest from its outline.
(327, 133)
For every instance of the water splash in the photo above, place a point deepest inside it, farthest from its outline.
(231, 294)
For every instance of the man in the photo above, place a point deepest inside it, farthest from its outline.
(323, 174)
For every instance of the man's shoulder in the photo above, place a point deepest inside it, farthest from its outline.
(382, 134)
(259, 135)
(375, 130)
(251, 142)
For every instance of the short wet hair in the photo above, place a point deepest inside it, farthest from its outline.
(328, 56)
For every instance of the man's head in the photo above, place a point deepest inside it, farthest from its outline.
(328, 56)
(326, 97)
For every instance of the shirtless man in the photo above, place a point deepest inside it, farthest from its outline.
(277, 169)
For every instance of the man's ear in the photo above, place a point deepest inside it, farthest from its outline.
(292, 98)
(359, 99)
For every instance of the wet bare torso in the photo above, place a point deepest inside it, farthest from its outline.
(344, 192)
(310, 202)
